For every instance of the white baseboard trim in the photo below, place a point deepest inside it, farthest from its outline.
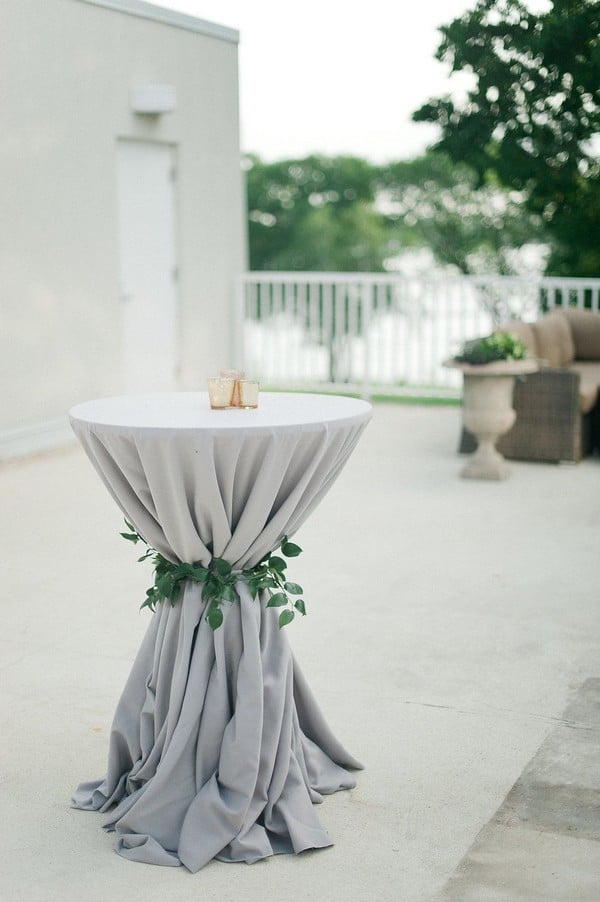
(43, 436)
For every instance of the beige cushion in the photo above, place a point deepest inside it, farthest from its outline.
(524, 332)
(588, 385)
(554, 338)
(585, 327)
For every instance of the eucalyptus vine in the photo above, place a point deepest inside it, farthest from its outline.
(219, 580)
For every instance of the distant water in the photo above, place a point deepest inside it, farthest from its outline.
(398, 350)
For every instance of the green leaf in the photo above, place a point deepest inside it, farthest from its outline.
(266, 582)
(277, 563)
(222, 567)
(131, 537)
(211, 589)
(162, 565)
(293, 588)
(277, 600)
(290, 549)
(300, 606)
(199, 574)
(285, 617)
(183, 571)
(228, 594)
(164, 584)
(214, 616)
(151, 599)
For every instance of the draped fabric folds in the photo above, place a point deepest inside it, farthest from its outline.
(217, 747)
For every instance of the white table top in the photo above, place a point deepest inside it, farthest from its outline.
(191, 411)
(230, 483)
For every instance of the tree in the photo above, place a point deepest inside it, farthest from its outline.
(344, 214)
(314, 214)
(436, 203)
(531, 119)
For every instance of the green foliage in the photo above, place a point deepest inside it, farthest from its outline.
(499, 346)
(314, 214)
(531, 116)
(434, 202)
(344, 214)
(219, 581)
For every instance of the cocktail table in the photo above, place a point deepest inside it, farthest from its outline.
(217, 748)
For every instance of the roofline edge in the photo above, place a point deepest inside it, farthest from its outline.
(161, 14)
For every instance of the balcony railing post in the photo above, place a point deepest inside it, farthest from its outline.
(365, 302)
(239, 319)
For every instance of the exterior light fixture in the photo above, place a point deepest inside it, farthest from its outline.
(153, 100)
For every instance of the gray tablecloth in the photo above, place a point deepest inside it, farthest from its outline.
(217, 748)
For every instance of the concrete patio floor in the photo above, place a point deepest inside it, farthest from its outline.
(453, 642)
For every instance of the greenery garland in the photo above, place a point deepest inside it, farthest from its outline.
(219, 580)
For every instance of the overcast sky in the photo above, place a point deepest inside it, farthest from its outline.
(319, 75)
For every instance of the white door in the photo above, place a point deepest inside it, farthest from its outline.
(148, 265)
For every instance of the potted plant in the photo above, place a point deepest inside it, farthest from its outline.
(489, 366)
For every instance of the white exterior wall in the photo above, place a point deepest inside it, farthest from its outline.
(67, 68)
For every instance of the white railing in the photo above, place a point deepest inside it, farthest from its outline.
(371, 333)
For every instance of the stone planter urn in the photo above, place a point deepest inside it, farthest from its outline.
(488, 412)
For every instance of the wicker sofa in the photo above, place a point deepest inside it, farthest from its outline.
(558, 408)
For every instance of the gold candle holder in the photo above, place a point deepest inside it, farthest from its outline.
(220, 392)
(236, 375)
(248, 389)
